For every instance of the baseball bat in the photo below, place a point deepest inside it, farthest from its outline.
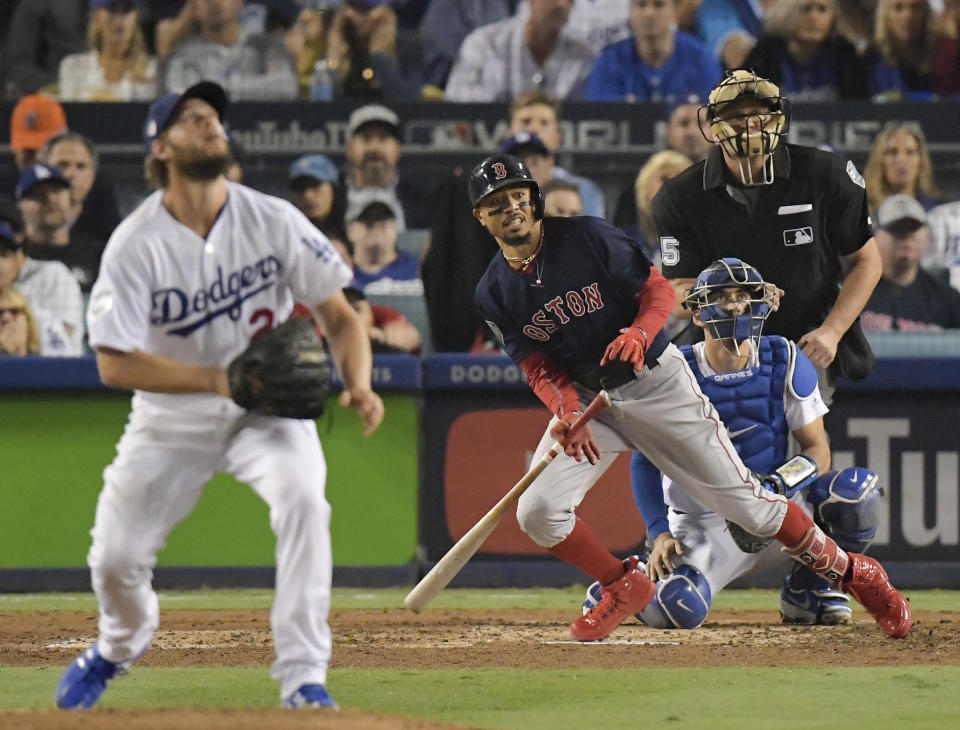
(450, 564)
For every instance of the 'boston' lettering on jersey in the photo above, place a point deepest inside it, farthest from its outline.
(175, 305)
(542, 324)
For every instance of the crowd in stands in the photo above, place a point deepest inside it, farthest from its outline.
(410, 240)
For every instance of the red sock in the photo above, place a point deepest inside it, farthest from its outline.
(582, 550)
(795, 525)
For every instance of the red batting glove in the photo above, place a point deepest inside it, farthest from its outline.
(630, 346)
(582, 443)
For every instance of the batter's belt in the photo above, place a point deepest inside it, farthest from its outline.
(614, 376)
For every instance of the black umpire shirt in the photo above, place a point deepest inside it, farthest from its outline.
(793, 230)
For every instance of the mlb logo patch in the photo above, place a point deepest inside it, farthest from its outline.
(798, 236)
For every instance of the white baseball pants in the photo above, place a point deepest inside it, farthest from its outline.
(164, 459)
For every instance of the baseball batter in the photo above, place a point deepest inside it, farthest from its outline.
(196, 271)
(764, 389)
(579, 307)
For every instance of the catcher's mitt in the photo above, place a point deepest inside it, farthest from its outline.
(284, 372)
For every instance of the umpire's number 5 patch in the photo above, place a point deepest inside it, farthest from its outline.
(669, 250)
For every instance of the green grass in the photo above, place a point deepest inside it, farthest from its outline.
(906, 698)
(381, 598)
(738, 698)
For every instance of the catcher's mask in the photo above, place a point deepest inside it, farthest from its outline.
(733, 129)
(500, 171)
(732, 301)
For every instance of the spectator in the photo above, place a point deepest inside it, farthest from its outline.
(729, 28)
(50, 289)
(907, 298)
(901, 58)
(445, 26)
(313, 25)
(685, 134)
(373, 152)
(117, 67)
(314, 185)
(93, 203)
(390, 332)
(945, 67)
(366, 54)
(533, 152)
(801, 51)
(899, 162)
(561, 199)
(523, 53)
(35, 119)
(378, 267)
(538, 113)
(250, 66)
(943, 253)
(856, 20)
(43, 195)
(18, 327)
(658, 63)
(40, 34)
(599, 23)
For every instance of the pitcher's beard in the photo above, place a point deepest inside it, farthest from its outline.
(201, 167)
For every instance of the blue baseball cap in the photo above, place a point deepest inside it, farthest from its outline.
(318, 167)
(524, 139)
(676, 102)
(94, 4)
(36, 174)
(164, 110)
(8, 238)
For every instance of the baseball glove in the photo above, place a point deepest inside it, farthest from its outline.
(284, 372)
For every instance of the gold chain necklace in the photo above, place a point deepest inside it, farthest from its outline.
(525, 261)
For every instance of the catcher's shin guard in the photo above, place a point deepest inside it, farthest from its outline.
(820, 554)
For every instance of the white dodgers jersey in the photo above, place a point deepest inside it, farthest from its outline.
(164, 290)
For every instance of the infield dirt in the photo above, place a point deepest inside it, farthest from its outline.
(385, 639)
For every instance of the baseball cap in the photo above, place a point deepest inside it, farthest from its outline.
(371, 206)
(317, 167)
(36, 174)
(374, 114)
(8, 239)
(35, 119)
(901, 211)
(164, 110)
(94, 4)
(524, 140)
(678, 101)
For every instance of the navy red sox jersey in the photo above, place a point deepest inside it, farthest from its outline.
(589, 274)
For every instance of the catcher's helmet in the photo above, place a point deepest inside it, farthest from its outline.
(728, 325)
(743, 84)
(499, 171)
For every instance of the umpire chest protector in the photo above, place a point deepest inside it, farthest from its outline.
(750, 403)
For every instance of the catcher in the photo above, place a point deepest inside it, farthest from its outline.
(190, 287)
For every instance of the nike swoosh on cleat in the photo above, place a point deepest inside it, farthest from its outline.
(734, 434)
(683, 605)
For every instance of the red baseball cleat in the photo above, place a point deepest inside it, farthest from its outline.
(626, 596)
(869, 584)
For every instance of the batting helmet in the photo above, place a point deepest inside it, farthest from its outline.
(499, 171)
(743, 84)
(727, 322)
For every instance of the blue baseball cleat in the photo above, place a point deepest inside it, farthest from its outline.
(806, 598)
(84, 680)
(311, 695)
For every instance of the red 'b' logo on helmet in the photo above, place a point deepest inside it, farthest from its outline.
(500, 170)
